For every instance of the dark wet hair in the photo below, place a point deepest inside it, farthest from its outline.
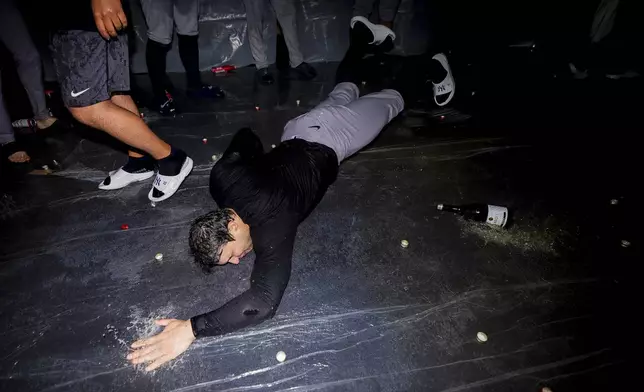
(208, 234)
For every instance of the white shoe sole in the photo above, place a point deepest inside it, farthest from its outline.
(380, 32)
(183, 174)
(131, 178)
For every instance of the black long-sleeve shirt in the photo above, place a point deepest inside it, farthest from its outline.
(272, 193)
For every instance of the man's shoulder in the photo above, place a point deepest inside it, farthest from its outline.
(274, 229)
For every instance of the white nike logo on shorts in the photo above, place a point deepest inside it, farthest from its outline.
(74, 95)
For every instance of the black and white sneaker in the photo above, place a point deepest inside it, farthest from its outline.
(165, 186)
(120, 178)
(444, 91)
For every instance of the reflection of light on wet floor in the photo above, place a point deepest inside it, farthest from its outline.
(349, 330)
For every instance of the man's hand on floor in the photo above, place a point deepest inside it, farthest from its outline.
(109, 17)
(166, 346)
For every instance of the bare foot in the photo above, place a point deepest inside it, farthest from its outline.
(19, 157)
(46, 123)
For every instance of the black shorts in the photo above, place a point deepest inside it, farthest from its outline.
(90, 69)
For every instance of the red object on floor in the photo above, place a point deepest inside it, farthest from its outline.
(124, 227)
(257, 108)
(223, 69)
(205, 141)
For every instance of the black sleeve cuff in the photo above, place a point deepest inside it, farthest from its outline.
(194, 326)
(203, 325)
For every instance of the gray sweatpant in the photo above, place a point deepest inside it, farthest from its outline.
(15, 36)
(386, 9)
(344, 122)
(285, 13)
(162, 15)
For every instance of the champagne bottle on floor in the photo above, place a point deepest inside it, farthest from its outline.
(490, 214)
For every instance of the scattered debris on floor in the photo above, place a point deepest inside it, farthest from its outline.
(159, 257)
(404, 243)
(481, 337)
(528, 235)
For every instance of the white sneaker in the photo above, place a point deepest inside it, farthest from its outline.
(380, 32)
(118, 179)
(166, 186)
(447, 86)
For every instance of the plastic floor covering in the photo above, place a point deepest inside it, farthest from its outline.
(361, 313)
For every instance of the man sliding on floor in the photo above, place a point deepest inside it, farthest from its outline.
(263, 197)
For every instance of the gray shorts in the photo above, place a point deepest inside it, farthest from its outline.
(162, 16)
(89, 68)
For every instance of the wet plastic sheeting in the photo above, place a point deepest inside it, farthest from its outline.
(360, 312)
(323, 32)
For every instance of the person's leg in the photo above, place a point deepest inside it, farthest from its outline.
(347, 128)
(255, 10)
(309, 125)
(15, 36)
(285, 12)
(368, 115)
(186, 18)
(155, 58)
(255, 19)
(158, 17)
(126, 102)
(123, 125)
(7, 138)
(175, 165)
(349, 69)
(90, 70)
(342, 94)
(387, 10)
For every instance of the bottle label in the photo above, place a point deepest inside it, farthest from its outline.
(497, 216)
